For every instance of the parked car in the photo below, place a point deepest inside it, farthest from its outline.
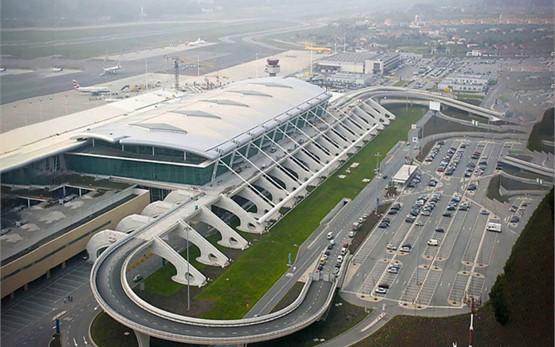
(440, 230)
(382, 288)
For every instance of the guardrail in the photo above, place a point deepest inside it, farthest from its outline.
(200, 321)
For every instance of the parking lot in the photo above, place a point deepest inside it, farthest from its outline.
(432, 247)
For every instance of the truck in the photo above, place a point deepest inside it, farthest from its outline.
(494, 226)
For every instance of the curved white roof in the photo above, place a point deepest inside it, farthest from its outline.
(216, 122)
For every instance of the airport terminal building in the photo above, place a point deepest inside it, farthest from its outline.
(190, 140)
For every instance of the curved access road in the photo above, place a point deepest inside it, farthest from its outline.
(111, 290)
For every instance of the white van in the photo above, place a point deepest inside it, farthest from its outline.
(432, 242)
(330, 235)
(495, 227)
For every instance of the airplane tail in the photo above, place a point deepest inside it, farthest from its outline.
(76, 85)
(306, 45)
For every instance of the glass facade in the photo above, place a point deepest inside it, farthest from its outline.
(98, 157)
(165, 172)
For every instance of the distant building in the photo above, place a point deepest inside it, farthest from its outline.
(465, 83)
(366, 63)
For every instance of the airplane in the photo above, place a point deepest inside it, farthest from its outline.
(91, 90)
(3, 69)
(198, 41)
(57, 69)
(309, 47)
(111, 70)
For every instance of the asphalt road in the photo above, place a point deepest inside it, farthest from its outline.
(108, 282)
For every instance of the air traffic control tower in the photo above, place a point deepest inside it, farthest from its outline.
(272, 66)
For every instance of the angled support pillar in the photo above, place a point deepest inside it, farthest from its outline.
(338, 139)
(290, 183)
(261, 204)
(100, 240)
(348, 132)
(312, 163)
(230, 238)
(277, 193)
(209, 254)
(143, 340)
(331, 145)
(162, 249)
(319, 152)
(377, 117)
(367, 118)
(379, 108)
(246, 221)
(298, 169)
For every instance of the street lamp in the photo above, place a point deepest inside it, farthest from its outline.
(378, 155)
(188, 274)
(66, 103)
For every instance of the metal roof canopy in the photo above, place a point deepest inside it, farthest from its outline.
(214, 123)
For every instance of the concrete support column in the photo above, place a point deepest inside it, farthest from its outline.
(370, 119)
(47, 275)
(277, 193)
(342, 143)
(101, 240)
(247, 222)
(230, 238)
(379, 108)
(209, 254)
(375, 115)
(319, 152)
(143, 340)
(326, 142)
(63, 264)
(290, 183)
(342, 128)
(261, 204)
(298, 169)
(162, 249)
(361, 118)
(312, 163)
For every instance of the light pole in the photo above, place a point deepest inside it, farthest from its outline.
(40, 108)
(378, 155)
(188, 274)
(65, 95)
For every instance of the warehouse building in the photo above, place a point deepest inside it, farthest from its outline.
(367, 63)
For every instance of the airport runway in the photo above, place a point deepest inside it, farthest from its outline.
(42, 81)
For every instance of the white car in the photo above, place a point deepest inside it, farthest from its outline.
(391, 247)
(340, 259)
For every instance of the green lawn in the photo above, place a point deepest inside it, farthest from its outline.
(246, 280)
(108, 333)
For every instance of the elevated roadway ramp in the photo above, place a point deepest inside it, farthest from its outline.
(407, 93)
(112, 291)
